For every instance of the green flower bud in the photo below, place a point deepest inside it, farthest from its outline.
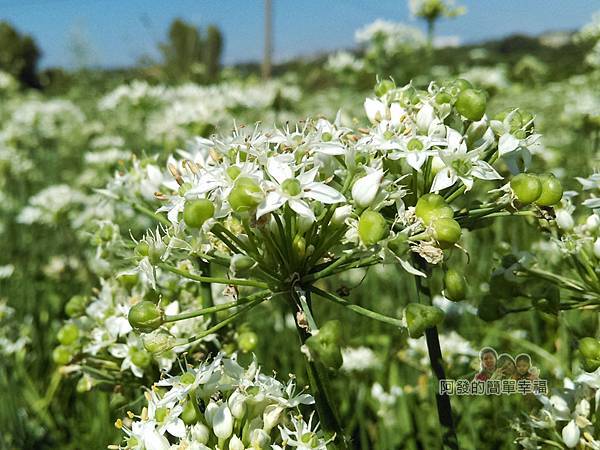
(372, 227)
(245, 195)
(145, 316)
(62, 355)
(471, 104)
(420, 317)
(589, 348)
(76, 306)
(68, 334)
(196, 212)
(526, 187)
(455, 285)
(446, 231)
(552, 191)
(299, 245)
(431, 207)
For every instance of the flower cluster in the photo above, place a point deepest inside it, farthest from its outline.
(568, 411)
(221, 404)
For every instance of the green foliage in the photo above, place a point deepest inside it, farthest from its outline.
(19, 55)
(190, 55)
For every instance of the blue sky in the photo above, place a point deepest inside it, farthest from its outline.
(119, 32)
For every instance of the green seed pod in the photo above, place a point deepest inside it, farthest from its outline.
(76, 306)
(142, 249)
(372, 227)
(431, 207)
(140, 358)
(420, 317)
(442, 98)
(196, 212)
(247, 341)
(62, 355)
(68, 334)
(145, 316)
(189, 415)
(128, 280)
(245, 195)
(526, 187)
(471, 104)
(325, 345)
(446, 231)
(383, 87)
(455, 285)
(589, 348)
(399, 245)
(158, 341)
(552, 191)
(590, 365)
(490, 309)
(241, 264)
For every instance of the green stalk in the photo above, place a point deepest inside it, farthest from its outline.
(444, 407)
(223, 323)
(318, 377)
(217, 280)
(358, 309)
(217, 308)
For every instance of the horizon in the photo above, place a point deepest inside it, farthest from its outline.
(94, 26)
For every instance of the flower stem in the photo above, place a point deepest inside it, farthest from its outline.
(436, 360)
(217, 308)
(223, 323)
(358, 309)
(317, 375)
(217, 280)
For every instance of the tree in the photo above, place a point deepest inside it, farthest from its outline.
(19, 55)
(212, 56)
(188, 55)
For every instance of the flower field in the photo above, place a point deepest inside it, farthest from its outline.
(394, 247)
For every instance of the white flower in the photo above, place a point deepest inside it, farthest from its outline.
(571, 434)
(376, 110)
(461, 165)
(365, 189)
(294, 190)
(564, 220)
(127, 351)
(235, 443)
(425, 117)
(359, 359)
(148, 437)
(597, 248)
(222, 422)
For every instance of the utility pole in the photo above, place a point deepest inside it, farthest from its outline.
(266, 65)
